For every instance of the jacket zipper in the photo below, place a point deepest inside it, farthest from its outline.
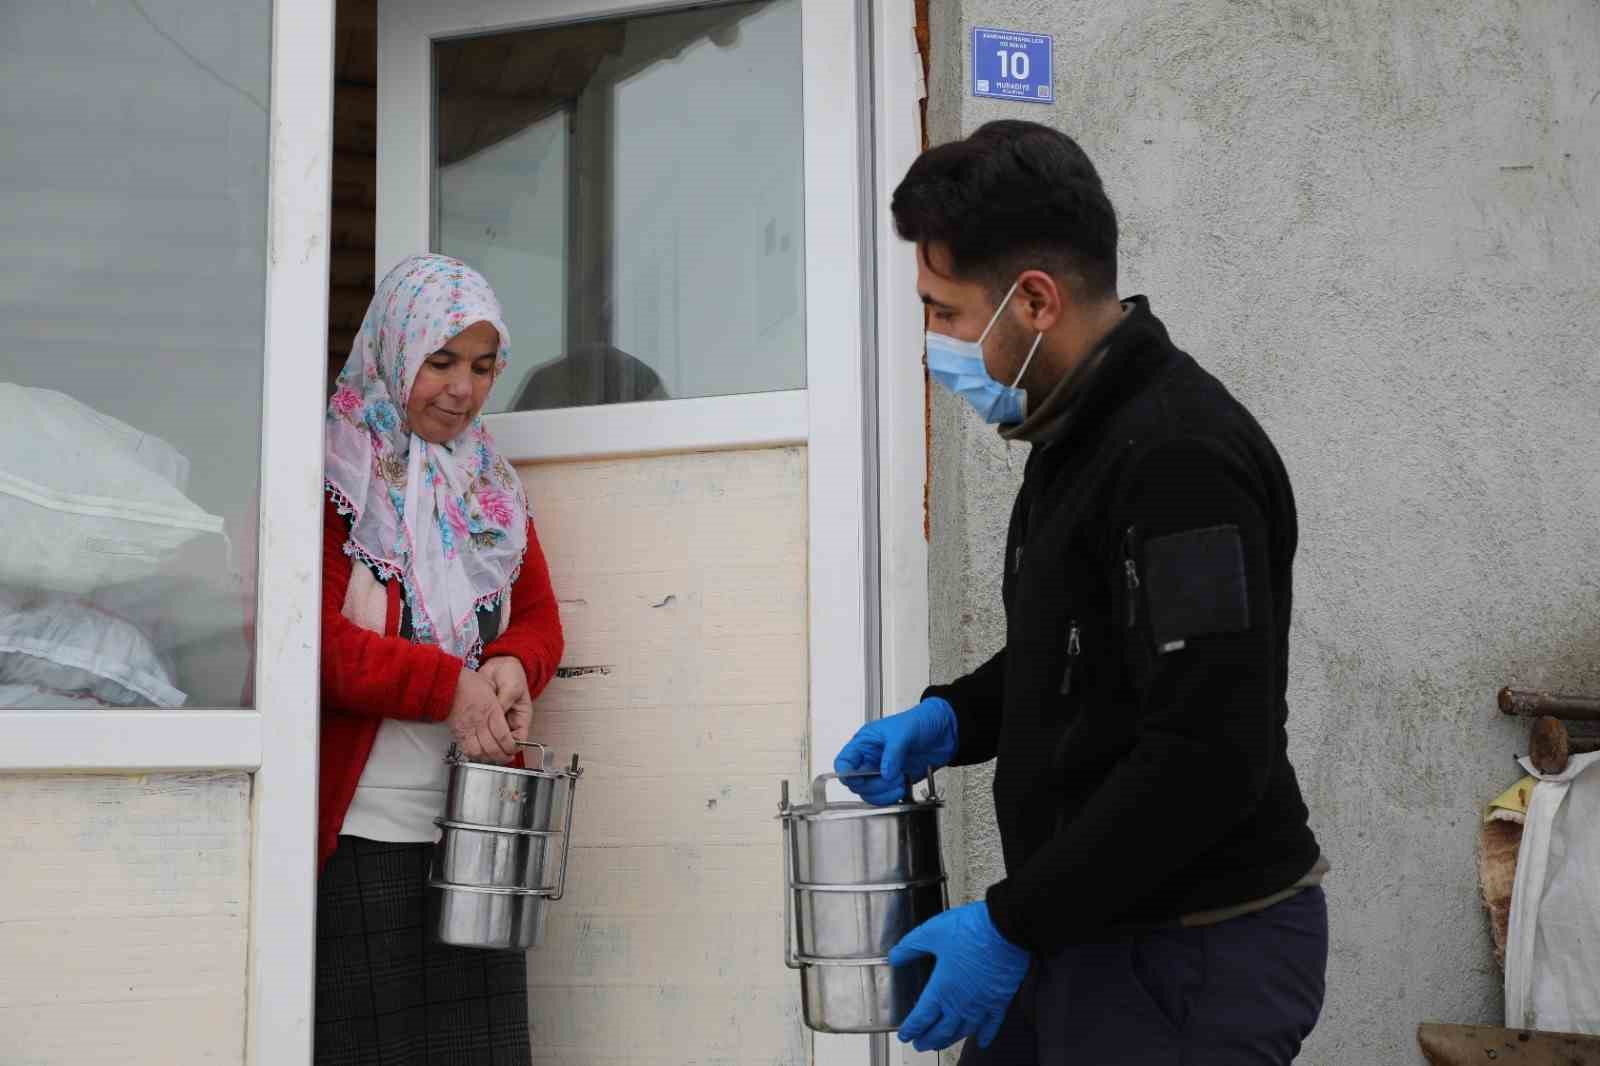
(1130, 574)
(1074, 649)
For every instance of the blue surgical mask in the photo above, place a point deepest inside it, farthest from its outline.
(958, 366)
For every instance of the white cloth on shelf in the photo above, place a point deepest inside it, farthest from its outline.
(1553, 939)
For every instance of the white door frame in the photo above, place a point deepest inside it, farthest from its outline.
(289, 602)
(895, 86)
(868, 638)
(896, 89)
(278, 739)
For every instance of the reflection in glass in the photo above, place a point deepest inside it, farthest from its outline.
(633, 190)
(132, 284)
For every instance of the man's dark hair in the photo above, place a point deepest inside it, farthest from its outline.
(1013, 196)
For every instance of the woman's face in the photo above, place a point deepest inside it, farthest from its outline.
(453, 383)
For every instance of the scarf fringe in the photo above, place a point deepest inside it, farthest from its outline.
(390, 569)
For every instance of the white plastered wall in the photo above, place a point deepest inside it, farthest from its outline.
(1376, 222)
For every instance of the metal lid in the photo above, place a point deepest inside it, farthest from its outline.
(504, 830)
(820, 809)
(875, 886)
(492, 890)
(825, 960)
(455, 757)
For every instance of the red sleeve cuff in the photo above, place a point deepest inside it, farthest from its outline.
(533, 656)
(435, 693)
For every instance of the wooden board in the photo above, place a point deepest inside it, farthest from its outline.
(683, 588)
(124, 904)
(1474, 1045)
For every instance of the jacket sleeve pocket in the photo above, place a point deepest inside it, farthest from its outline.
(1195, 585)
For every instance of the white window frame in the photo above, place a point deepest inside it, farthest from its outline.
(862, 413)
(657, 427)
(276, 741)
(406, 32)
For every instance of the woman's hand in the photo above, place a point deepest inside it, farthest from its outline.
(510, 682)
(477, 720)
(519, 716)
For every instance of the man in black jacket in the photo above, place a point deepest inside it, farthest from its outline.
(1162, 899)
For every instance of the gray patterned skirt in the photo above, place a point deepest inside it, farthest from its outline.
(388, 994)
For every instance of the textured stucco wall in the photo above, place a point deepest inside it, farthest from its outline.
(1379, 222)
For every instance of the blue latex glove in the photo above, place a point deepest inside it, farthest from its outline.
(975, 976)
(909, 743)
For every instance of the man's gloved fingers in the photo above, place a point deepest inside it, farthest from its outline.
(856, 785)
(892, 766)
(863, 751)
(922, 1018)
(873, 788)
(991, 1029)
(913, 946)
(878, 792)
(943, 1033)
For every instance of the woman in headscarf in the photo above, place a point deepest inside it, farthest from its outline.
(438, 625)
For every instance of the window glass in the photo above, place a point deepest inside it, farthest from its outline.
(504, 210)
(633, 188)
(133, 191)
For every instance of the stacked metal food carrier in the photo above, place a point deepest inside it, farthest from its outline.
(857, 879)
(492, 879)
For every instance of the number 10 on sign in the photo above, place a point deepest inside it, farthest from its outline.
(1012, 65)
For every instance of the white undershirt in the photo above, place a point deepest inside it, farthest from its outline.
(403, 785)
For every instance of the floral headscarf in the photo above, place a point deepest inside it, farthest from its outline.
(449, 520)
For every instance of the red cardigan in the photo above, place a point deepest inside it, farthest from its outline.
(367, 677)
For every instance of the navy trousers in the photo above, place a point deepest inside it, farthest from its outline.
(1244, 992)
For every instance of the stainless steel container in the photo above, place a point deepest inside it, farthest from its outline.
(861, 921)
(856, 843)
(859, 997)
(491, 857)
(507, 797)
(857, 878)
(491, 881)
(472, 917)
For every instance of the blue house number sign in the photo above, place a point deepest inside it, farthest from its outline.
(1008, 65)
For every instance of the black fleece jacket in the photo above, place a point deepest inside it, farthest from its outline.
(1137, 713)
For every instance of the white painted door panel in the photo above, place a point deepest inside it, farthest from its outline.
(682, 582)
